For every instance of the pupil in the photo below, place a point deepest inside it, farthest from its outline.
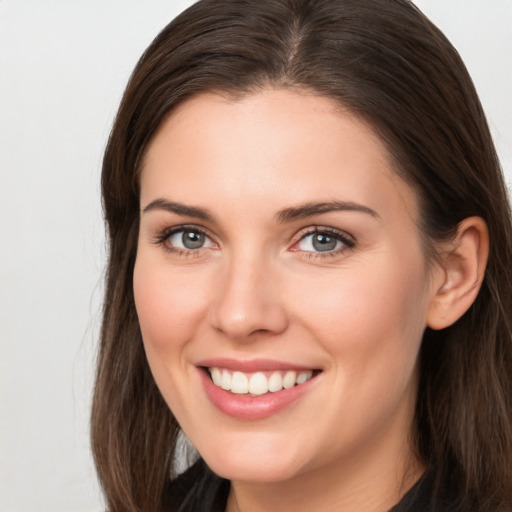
(193, 240)
(324, 243)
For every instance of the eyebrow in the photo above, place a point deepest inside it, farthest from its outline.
(179, 209)
(303, 211)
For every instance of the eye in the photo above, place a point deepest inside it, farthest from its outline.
(324, 241)
(188, 239)
(183, 239)
(318, 242)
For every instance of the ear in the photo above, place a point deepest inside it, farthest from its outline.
(463, 263)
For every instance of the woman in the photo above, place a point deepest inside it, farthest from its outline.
(309, 274)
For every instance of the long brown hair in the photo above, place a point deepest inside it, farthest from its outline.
(385, 62)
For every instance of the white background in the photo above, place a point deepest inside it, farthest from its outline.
(63, 66)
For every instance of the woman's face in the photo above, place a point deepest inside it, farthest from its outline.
(278, 249)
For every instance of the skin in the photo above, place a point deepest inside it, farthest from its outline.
(256, 289)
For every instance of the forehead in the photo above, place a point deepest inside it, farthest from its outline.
(276, 145)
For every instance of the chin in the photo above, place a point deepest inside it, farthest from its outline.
(256, 465)
(251, 472)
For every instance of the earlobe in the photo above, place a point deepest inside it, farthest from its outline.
(462, 272)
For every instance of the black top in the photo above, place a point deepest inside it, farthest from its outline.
(200, 490)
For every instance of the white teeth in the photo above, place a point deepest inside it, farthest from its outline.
(257, 383)
(304, 376)
(289, 380)
(216, 376)
(239, 383)
(275, 383)
(225, 382)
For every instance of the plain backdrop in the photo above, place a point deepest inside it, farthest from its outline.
(63, 67)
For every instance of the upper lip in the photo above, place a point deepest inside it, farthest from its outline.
(252, 365)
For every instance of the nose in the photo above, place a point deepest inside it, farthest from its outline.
(248, 303)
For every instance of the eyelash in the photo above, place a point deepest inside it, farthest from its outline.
(163, 237)
(347, 241)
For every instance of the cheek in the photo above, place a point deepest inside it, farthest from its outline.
(169, 305)
(373, 316)
(371, 325)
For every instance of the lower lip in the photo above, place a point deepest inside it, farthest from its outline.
(252, 407)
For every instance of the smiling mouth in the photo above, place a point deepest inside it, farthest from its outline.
(258, 383)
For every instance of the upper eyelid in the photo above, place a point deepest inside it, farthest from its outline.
(164, 234)
(324, 229)
(185, 227)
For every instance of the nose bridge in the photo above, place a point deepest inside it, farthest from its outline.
(248, 299)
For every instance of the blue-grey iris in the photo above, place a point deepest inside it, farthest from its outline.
(323, 242)
(193, 240)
